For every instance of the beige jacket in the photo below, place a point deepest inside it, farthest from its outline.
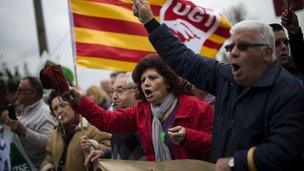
(75, 155)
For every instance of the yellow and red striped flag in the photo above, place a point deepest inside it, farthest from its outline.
(108, 36)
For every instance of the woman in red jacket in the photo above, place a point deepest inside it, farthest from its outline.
(170, 123)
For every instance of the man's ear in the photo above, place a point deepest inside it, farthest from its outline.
(34, 93)
(268, 55)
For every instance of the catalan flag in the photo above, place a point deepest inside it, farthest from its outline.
(108, 36)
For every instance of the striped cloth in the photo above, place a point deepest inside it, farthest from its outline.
(108, 36)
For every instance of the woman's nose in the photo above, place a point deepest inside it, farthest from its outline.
(60, 110)
(147, 83)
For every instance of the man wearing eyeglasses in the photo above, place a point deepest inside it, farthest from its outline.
(259, 108)
(293, 46)
(35, 121)
(124, 146)
(123, 91)
(282, 46)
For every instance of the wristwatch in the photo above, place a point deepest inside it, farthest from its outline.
(231, 163)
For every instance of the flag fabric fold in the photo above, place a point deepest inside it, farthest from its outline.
(108, 36)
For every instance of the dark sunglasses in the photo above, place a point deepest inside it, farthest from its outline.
(243, 46)
(279, 42)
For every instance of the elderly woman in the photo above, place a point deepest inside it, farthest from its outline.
(64, 149)
(171, 124)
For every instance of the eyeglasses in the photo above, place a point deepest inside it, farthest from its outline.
(279, 42)
(23, 90)
(243, 46)
(119, 91)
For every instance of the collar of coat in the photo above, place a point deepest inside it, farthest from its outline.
(80, 125)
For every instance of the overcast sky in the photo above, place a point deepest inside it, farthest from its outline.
(18, 38)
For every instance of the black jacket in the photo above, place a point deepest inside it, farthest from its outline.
(297, 49)
(268, 114)
(126, 146)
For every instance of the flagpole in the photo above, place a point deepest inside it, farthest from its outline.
(74, 52)
(73, 43)
(42, 39)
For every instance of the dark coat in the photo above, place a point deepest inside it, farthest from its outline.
(126, 147)
(297, 49)
(296, 63)
(269, 114)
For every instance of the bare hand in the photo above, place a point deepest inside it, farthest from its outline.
(75, 92)
(177, 134)
(290, 20)
(85, 144)
(222, 164)
(73, 96)
(93, 156)
(17, 127)
(4, 117)
(142, 10)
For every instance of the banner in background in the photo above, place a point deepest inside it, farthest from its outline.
(108, 36)
(19, 158)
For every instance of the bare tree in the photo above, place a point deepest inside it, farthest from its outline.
(234, 14)
(26, 69)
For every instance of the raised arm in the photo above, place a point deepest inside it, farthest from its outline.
(120, 121)
(291, 23)
(180, 58)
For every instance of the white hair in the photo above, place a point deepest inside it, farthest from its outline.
(264, 33)
(129, 78)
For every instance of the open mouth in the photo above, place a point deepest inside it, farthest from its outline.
(148, 92)
(284, 56)
(235, 68)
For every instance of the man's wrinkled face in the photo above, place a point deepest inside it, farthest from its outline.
(248, 58)
(282, 47)
(122, 94)
(25, 93)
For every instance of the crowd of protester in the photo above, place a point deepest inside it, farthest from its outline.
(245, 115)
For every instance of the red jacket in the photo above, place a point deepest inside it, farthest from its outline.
(193, 114)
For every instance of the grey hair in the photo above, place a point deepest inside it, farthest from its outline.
(129, 78)
(264, 33)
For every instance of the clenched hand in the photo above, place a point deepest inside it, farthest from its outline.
(177, 134)
(142, 10)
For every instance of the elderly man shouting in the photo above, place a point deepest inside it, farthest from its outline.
(259, 105)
